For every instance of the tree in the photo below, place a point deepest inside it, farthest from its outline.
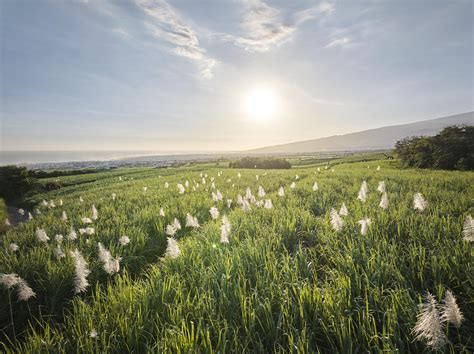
(15, 182)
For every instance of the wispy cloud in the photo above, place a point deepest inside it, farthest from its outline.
(342, 42)
(264, 27)
(168, 25)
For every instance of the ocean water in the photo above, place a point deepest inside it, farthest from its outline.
(35, 157)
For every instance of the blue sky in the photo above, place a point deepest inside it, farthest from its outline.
(173, 75)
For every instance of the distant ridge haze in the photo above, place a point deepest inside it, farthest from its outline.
(372, 139)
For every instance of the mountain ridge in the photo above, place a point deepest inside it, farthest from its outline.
(370, 139)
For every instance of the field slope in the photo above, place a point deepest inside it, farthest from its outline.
(286, 281)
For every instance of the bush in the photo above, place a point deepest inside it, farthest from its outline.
(3, 215)
(15, 183)
(450, 149)
(261, 163)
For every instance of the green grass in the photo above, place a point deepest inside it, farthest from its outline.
(286, 282)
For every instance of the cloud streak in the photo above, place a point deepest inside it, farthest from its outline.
(340, 42)
(167, 25)
(264, 27)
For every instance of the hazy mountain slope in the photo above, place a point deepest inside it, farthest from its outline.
(379, 138)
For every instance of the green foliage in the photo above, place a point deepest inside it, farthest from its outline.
(15, 183)
(261, 163)
(3, 215)
(452, 148)
(286, 282)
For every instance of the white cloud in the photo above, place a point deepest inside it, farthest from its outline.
(340, 42)
(264, 27)
(169, 26)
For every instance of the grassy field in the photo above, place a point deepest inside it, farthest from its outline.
(286, 281)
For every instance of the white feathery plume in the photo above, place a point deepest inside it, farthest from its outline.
(124, 240)
(362, 196)
(181, 188)
(450, 311)
(9, 280)
(60, 202)
(95, 214)
(162, 212)
(261, 192)
(343, 211)
(172, 248)
(191, 221)
(239, 175)
(176, 224)
(170, 230)
(213, 185)
(86, 220)
(44, 203)
(293, 185)
(24, 291)
(13, 247)
(229, 203)
(226, 228)
(297, 177)
(268, 204)
(428, 326)
(41, 235)
(7, 222)
(186, 184)
(315, 186)
(64, 216)
(419, 203)
(38, 212)
(281, 192)
(259, 204)
(81, 199)
(93, 334)
(114, 196)
(468, 230)
(214, 197)
(214, 213)
(51, 204)
(336, 221)
(111, 265)
(252, 200)
(364, 225)
(72, 235)
(240, 200)
(167, 185)
(58, 252)
(219, 195)
(21, 211)
(384, 201)
(145, 189)
(87, 231)
(30, 216)
(248, 193)
(378, 168)
(212, 179)
(381, 187)
(257, 177)
(81, 272)
(59, 238)
(246, 205)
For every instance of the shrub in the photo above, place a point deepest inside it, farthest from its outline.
(15, 183)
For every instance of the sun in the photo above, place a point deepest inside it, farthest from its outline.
(261, 103)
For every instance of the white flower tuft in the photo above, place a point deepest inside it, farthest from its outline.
(419, 203)
(384, 201)
(9, 280)
(381, 187)
(450, 311)
(293, 185)
(229, 203)
(214, 213)
(315, 186)
(162, 212)
(110, 264)
(181, 189)
(87, 231)
(268, 204)
(7, 222)
(64, 216)
(72, 235)
(343, 211)
(246, 205)
(364, 225)
(281, 192)
(13, 247)
(86, 220)
(59, 238)
(24, 291)
(336, 221)
(261, 192)
(428, 326)
(95, 214)
(226, 227)
(41, 235)
(362, 196)
(468, 230)
(124, 240)
(81, 272)
(172, 248)
(191, 221)
(58, 252)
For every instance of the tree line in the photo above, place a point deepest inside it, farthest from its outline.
(451, 149)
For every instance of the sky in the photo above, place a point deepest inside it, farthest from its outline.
(177, 75)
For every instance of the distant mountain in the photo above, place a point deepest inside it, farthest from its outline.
(372, 139)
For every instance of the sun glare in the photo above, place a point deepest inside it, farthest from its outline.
(261, 103)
